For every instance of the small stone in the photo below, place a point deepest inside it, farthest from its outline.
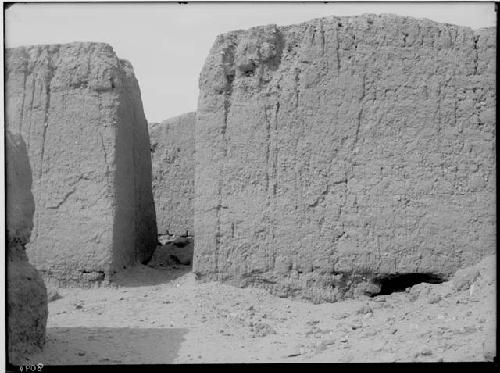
(463, 278)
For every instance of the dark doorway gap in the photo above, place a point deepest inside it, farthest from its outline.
(399, 282)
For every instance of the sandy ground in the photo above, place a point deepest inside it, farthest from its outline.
(160, 316)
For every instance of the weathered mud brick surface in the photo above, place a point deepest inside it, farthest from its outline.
(78, 108)
(172, 154)
(339, 150)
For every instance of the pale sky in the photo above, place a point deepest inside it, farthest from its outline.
(167, 43)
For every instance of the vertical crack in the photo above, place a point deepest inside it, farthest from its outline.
(322, 31)
(455, 108)
(476, 54)
(228, 67)
(268, 145)
(275, 155)
(229, 74)
(21, 115)
(439, 107)
(296, 87)
(337, 50)
(360, 113)
(31, 114)
(47, 81)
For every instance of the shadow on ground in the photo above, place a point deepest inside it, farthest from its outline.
(142, 275)
(96, 346)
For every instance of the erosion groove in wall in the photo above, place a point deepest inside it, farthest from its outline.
(172, 153)
(340, 150)
(79, 111)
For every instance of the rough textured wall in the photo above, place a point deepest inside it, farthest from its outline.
(26, 293)
(79, 110)
(339, 150)
(172, 153)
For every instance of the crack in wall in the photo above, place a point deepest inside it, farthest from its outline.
(64, 199)
(360, 113)
(296, 86)
(275, 155)
(322, 32)
(229, 75)
(268, 147)
(476, 53)
(337, 49)
(47, 81)
(103, 147)
(31, 114)
(21, 116)
(438, 113)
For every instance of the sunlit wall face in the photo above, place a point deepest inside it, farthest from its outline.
(167, 43)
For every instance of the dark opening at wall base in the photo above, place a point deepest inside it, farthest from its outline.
(399, 282)
(175, 252)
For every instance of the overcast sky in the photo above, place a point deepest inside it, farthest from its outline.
(167, 43)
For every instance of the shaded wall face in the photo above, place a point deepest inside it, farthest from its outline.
(134, 227)
(27, 310)
(64, 100)
(172, 153)
(20, 205)
(338, 149)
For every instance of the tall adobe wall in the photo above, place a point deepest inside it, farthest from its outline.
(341, 150)
(78, 108)
(27, 309)
(172, 154)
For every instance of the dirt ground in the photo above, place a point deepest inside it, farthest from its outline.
(160, 316)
